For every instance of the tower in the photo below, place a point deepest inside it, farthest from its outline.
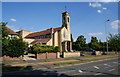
(66, 20)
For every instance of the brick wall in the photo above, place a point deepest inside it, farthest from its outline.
(47, 55)
(5, 58)
(98, 52)
(71, 54)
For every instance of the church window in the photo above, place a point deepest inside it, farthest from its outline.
(68, 19)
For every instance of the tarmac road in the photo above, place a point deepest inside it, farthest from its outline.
(99, 68)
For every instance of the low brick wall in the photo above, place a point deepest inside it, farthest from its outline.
(41, 56)
(87, 53)
(5, 58)
(47, 55)
(71, 54)
(98, 52)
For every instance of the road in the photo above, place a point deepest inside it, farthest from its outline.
(99, 68)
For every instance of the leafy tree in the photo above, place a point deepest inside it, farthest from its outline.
(94, 44)
(5, 41)
(80, 43)
(12, 47)
(16, 47)
(114, 42)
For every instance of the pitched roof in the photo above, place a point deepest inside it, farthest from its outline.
(40, 41)
(42, 32)
(10, 31)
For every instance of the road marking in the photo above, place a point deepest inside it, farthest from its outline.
(66, 71)
(111, 70)
(96, 67)
(80, 71)
(98, 74)
(115, 62)
(105, 64)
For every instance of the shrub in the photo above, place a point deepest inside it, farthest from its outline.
(44, 48)
(15, 48)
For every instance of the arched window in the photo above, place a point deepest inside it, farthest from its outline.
(68, 19)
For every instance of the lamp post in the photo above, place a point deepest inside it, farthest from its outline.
(106, 34)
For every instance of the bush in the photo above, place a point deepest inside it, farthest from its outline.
(45, 48)
(14, 47)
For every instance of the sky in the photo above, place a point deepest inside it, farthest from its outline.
(86, 18)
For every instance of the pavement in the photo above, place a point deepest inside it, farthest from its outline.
(107, 68)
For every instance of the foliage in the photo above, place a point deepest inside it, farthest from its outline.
(94, 44)
(12, 47)
(114, 42)
(45, 48)
(15, 47)
(80, 43)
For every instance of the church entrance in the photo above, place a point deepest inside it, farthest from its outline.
(66, 46)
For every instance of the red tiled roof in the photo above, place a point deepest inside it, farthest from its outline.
(42, 32)
(40, 41)
(10, 31)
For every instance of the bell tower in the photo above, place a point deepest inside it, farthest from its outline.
(66, 20)
(66, 23)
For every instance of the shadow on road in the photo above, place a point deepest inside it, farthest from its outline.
(16, 71)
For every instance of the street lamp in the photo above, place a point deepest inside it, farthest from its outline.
(106, 34)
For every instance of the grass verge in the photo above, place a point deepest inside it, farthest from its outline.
(82, 61)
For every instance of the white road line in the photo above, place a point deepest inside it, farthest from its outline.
(80, 71)
(98, 74)
(96, 67)
(111, 70)
(66, 71)
(115, 62)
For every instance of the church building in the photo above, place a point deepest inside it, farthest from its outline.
(60, 36)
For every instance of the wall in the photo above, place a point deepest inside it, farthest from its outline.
(71, 54)
(87, 53)
(28, 40)
(56, 38)
(47, 55)
(98, 52)
(5, 58)
(49, 42)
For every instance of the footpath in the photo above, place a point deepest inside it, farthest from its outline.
(58, 61)
(9, 66)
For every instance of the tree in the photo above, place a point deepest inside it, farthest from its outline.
(5, 41)
(80, 43)
(16, 47)
(114, 42)
(12, 47)
(94, 44)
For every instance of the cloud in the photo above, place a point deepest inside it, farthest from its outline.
(99, 11)
(104, 8)
(108, 0)
(12, 19)
(95, 4)
(92, 34)
(115, 24)
(13, 28)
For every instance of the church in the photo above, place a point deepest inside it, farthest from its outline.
(60, 36)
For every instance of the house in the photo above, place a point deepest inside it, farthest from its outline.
(10, 32)
(60, 36)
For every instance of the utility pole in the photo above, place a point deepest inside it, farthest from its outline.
(106, 34)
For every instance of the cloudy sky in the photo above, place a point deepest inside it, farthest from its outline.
(87, 18)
